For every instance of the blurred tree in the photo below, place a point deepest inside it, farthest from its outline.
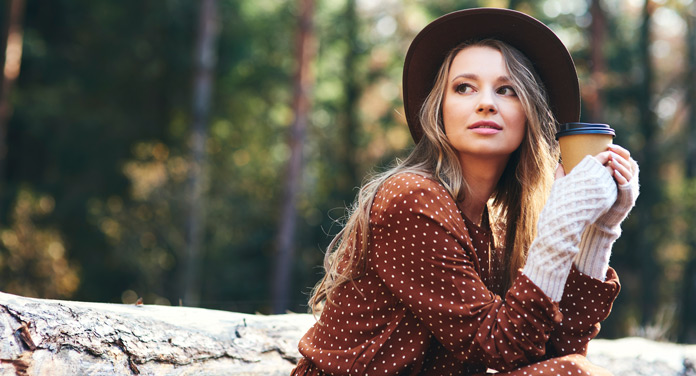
(687, 203)
(303, 81)
(649, 159)
(350, 124)
(12, 43)
(205, 60)
(594, 99)
(690, 36)
(514, 4)
(94, 81)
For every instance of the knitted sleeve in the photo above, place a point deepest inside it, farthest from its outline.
(576, 200)
(598, 238)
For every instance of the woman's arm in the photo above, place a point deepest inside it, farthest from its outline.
(592, 286)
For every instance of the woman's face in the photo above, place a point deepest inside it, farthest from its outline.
(483, 117)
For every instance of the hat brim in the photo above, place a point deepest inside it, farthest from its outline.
(541, 45)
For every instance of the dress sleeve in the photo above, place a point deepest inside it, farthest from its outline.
(586, 302)
(419, 249)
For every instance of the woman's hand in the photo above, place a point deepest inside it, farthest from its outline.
(619, 163)
(624, 170)
(595, 246)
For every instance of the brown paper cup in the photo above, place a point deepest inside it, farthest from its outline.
(578, 140)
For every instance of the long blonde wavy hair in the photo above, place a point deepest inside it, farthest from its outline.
(515, 204)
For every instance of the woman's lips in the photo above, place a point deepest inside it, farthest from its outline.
(485, 127)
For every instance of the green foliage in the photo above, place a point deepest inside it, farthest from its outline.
(32, 255)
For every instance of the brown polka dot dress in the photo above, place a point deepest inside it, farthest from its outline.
(425, 305)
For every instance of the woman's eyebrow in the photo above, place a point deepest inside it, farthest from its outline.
(469, 76)
(472, 76)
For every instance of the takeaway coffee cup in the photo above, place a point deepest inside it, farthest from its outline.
(580, 139)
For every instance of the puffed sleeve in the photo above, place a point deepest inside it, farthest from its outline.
(586, 302)
(420, 250)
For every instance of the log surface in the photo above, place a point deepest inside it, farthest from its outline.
(51, 337)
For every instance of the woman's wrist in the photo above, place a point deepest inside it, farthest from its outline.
(625, 200)
(595, 250)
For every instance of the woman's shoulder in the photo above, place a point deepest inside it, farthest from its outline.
(404, 185)
(407, 194)
(411, 182)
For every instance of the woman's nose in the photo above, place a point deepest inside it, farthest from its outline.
(486, 104)
(486, 108)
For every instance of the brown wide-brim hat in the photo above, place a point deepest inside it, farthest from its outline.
(551, 59)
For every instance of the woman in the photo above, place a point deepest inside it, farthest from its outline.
(468, 256)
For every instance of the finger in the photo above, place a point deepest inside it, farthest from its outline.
(618, 160)
(622, 173)
(620, 179)
(604, 158)
(620, 150)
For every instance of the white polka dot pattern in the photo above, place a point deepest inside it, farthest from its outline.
(425, 304)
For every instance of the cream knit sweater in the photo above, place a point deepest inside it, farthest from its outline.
(586, 198)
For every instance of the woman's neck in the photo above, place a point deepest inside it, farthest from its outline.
(481, 176)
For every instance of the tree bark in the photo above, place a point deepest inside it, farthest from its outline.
(205, 59)
(51, 337)
(285, 247)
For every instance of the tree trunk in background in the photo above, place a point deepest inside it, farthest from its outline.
(645, 242)
(11, 62)
(352, 90)
(514, 4)
(284, 248)
(594, 101)
(205, 59)
(691, 90)
(687, 322)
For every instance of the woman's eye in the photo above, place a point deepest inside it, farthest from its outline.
(463, 89)
(507, 90)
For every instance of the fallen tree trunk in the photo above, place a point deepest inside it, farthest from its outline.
(50, 337)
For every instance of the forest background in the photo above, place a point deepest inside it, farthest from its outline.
(202, 152)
